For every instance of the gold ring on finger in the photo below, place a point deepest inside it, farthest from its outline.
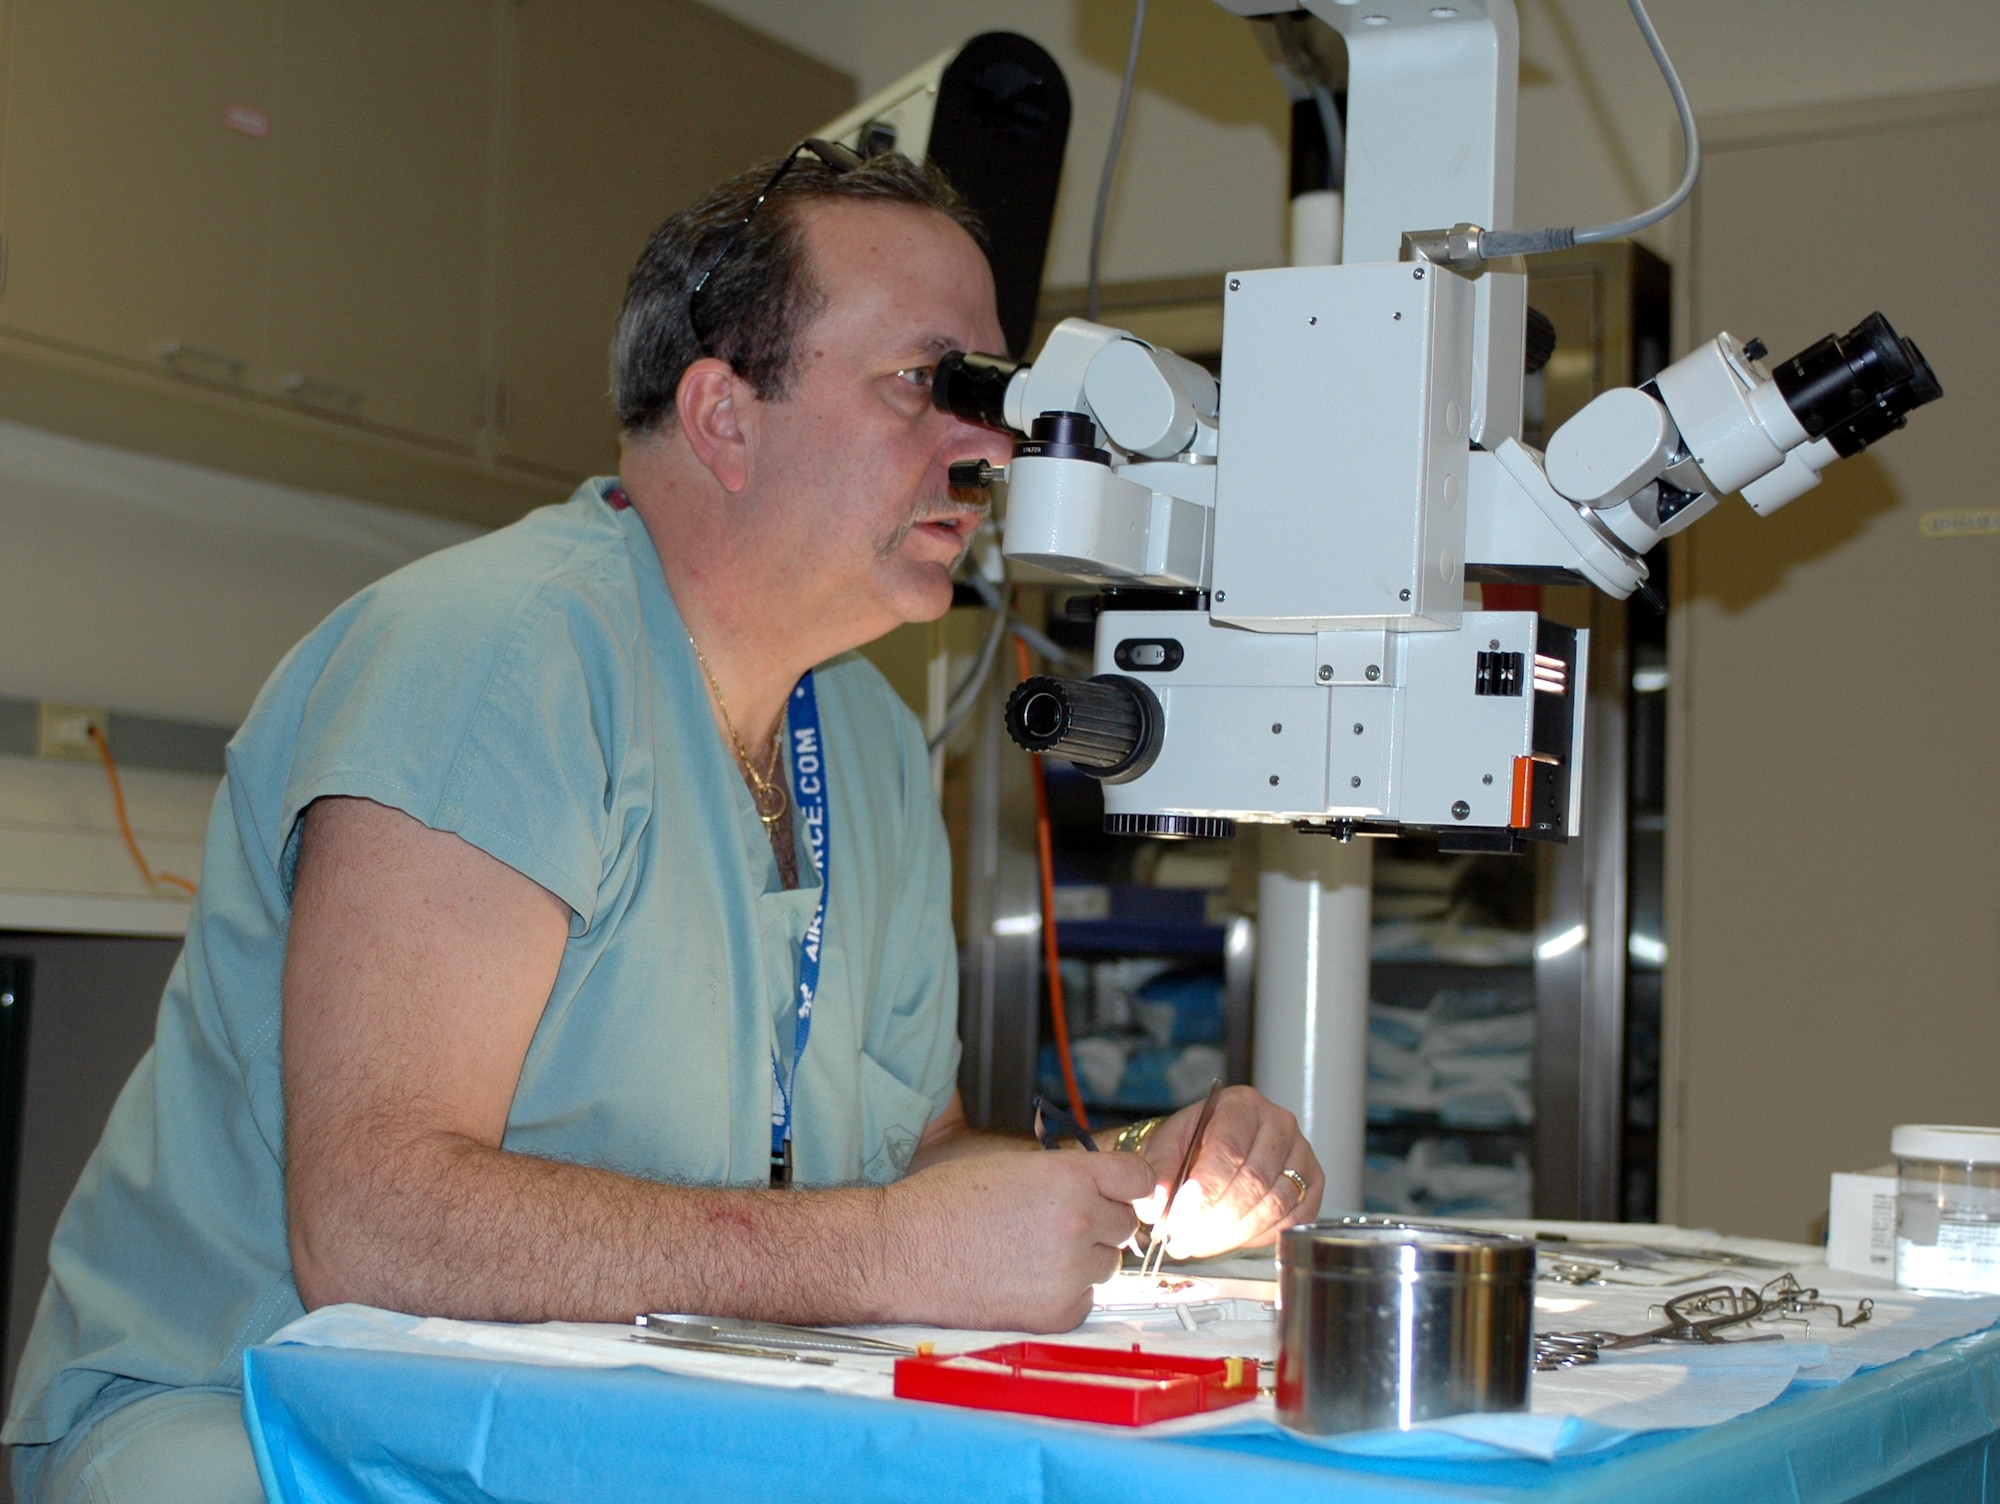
(1296, 1179)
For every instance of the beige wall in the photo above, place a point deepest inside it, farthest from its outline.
(1204, 176)
(166, 589)
(1598, 137)
(1833, 832)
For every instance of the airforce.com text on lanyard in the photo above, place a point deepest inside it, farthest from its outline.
(808, 760)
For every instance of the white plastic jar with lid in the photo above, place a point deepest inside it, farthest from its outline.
(1947, 1207)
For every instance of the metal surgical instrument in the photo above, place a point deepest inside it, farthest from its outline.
(1156, 1244)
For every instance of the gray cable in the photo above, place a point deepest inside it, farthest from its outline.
(1048, 647)
(1300, 62)
(966, 696)
(1497, 243)
(1111, 155)
(1336, 143)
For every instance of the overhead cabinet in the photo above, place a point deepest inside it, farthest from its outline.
(382, 130)
(622, 112)
(135, 217)
(288, 198)
(410, 218)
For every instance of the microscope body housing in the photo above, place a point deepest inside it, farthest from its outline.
(1283, 556)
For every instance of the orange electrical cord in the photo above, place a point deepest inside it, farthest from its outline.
(1045, 850)
(153, 879)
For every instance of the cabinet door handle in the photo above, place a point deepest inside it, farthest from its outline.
(316, 393)
(184, 359)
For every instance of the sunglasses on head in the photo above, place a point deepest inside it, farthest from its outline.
(837, 158)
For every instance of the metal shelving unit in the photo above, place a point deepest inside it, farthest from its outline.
(1598, 998)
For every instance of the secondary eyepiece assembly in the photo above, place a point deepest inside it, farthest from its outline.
(1854, 388)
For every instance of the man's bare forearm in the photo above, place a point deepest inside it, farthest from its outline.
(446, 1226)
(450, 1227)
(417, 969)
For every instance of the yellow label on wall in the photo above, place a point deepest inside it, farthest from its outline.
(1967, 522)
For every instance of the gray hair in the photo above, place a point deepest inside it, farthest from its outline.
(761, 294)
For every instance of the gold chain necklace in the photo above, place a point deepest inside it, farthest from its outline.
(767, 790)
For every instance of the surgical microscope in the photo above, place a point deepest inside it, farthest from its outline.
(1281, 556)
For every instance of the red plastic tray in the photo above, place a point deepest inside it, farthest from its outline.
(1132, 1388)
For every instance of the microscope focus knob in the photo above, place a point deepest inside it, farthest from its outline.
(1109, 726)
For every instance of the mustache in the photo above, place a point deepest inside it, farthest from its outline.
(979, 507)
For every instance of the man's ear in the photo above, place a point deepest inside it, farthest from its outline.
(710, 405)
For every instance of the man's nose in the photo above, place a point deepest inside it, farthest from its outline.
(970, 441)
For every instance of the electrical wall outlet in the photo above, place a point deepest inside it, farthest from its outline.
(65, 731)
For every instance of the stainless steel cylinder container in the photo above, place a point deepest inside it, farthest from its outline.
(1387, 1324)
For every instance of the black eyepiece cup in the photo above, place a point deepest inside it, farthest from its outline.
(1852, 389)
(973, 387)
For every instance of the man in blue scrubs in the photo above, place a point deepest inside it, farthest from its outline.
(574, 933)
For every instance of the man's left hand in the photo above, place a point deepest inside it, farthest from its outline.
(1237, 1191)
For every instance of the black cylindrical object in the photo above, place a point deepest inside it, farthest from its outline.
(1387, 1324)
(973, 386)
(1852, 389)
(1108, 726)
(1314, 165)
(1538, 341)
(1062, 436)
(1889, 411)
(998, 131)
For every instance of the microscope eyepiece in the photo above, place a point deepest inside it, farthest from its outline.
(1108, 726)
(1852, 389)
(973, 387)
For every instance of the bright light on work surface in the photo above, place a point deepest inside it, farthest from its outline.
(1563, 944)
(1129, 1291)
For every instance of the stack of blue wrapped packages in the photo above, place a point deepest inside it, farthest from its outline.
(1154, 1038)
(1457, 1074)
(1467, 1056)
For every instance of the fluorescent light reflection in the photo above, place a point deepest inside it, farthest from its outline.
(1563, 944)
(1648, 950)
(1018, 924)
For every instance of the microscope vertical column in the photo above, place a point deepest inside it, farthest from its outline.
(1311, 1000)
(1311, 1040)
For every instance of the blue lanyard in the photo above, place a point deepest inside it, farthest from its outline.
(808, 760)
